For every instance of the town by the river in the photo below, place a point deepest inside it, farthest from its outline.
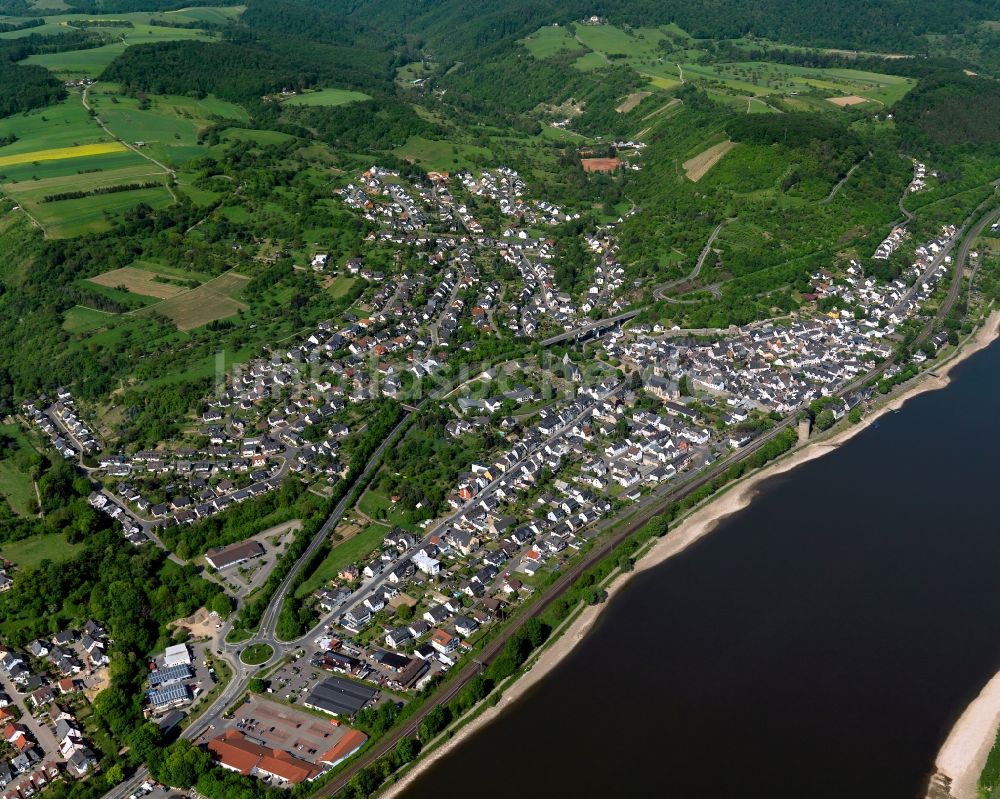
(820, 643)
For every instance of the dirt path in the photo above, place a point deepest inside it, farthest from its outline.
(166, 170)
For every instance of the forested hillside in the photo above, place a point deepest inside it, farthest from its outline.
(236, 71)
(951, 109)
(851, 24)
(26, 87)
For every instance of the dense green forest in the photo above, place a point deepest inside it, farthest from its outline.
(239, 71)
(25, 87)
(951, 110)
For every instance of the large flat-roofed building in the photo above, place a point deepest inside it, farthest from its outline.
(224, 557)
(171, 696)
(177, 655)
(170, 675)
(339, 697)
(233, 751)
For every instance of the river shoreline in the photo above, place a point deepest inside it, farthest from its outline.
(703, 521)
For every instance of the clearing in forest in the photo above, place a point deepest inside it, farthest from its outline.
(695, 168)
(632, 101)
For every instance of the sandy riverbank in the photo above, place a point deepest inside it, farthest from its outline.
(699, 524)
(964, 753)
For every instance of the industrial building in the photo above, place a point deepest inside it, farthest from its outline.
(339, 697)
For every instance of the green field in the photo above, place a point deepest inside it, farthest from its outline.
(91, 62)
(215, 15)
(263, 137)
(169, 128)
(611, 40)
(341, 286)
(589, 61)
(344, 554)
(82, 320)
(68, 218)
(60, 23)
(64, 124)
(328, 97)
(408, 73)
(33, 191)
(30, 552)
(760, 79)
(378, 506)
(550, 40)
(442, 155)
(16, 485)
(66, 170)
(741, 81)
(255, 654)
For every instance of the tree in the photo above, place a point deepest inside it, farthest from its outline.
(404, 612)
(257, 685)
(143, 742)
(407, 749)
(115, 774)
(825, 420)
(855, 415)
(434, 722)
(222, 605)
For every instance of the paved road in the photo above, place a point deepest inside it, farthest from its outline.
(840, 184)
(956, 278)
(39, 731)
(589, 327)
(662, 290)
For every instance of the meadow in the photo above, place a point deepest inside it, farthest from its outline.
(69, 218)
(30, 552)
(16, 485)
(79, 319)
(89, 63)
(64, 124)
(329, 97)
(344, 553)
(442, 155)
(169, 128)
(550, 40)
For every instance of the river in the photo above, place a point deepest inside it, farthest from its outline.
(820, 643)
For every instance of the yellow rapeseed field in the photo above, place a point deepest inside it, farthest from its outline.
(101, 148)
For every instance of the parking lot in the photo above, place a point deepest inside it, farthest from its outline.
(293, 681)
